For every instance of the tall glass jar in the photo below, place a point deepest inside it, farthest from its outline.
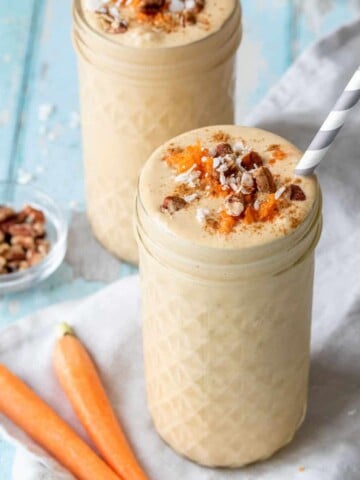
(132, 100)
(226, 340)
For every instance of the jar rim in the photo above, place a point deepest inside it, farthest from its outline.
(79, 16)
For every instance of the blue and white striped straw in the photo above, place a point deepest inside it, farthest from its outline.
(330, 128)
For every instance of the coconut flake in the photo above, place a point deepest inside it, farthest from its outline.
(279, 192)
(114, 12)
(257, 204)
(190, 177)
(190, 198)
(190, 4)
(202, 214)
(176, 6)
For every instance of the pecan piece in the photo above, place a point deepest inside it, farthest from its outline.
(7, 224)
(264, 180)
(32, 214)
(22, 230)
(223, 149)
(15, 253)
(6, 213)
(172, 204)
(247, 184)
(251, 160)
(4, 248)
(151, 7)
(188, 17)
(43, 246)
(24, 241)
(234, 205)
(297, 193)
(199, 5)
(39, 229)
(33, 257)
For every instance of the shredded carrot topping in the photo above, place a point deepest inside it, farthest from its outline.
(224, 176)
(226, 223)
(268, 209)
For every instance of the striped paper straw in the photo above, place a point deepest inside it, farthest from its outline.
(330, 128)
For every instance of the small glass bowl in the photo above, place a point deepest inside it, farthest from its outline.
(17, 196)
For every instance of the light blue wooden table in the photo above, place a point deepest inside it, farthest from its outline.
(37, 67)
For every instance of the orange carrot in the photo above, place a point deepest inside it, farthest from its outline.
(81, 382)
(39, 421)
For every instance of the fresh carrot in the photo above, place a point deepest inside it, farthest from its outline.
(39, 421)
(81, 382)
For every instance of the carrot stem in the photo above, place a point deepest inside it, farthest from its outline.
(27, 410)
(81, 382)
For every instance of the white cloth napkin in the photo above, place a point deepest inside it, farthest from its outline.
(327, 446)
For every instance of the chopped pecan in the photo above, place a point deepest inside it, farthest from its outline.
(247, 184)
(223, 149)
(172, 204)
(7, 224)
(297, 193)
(39, 229)
(199, 5)
(15, 252)
(188, 17)
(251, 160)
(4, 248)
(24, 265)
(151, 7)
(264, 180)
(6, 213)
(22, 230)
(120, 26)
(2, 236)
(234, 205)
(23, 240)
(33, 257)
(43, 246)
(32, 214)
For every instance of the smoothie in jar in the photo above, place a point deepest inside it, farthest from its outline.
(227, 235)
(148, 70)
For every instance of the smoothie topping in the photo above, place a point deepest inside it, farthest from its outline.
(23, 241)
(234, 180)
(116, 16)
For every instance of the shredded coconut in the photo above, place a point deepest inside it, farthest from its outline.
(176, 6)
(279, 192)
(190, 4)
(257, 204)
(202, 214)
(190, 177)
(190, 198)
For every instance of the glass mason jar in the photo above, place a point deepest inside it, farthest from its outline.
(226, 340)
(132, 100)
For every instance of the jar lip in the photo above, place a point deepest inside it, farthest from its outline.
(80, 15)
(249, 254)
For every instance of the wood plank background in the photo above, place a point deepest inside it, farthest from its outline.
(38, 67)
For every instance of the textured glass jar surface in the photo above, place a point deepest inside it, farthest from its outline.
(227, 355)
(132, 103)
